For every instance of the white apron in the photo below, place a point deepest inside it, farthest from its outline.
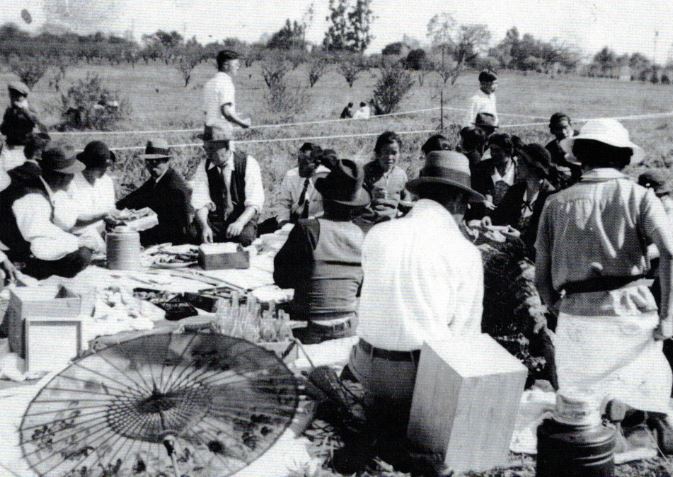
(614, 356)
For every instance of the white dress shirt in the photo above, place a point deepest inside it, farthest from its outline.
(92, 200)
(508, 177)
(254, 189)
(290, 192)
(48, 241)
(481, 103)
(422, 279)
(362, 113)
(217, 91)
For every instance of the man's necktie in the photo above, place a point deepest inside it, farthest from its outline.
(303, 203)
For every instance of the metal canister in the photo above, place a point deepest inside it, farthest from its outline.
(123, 249)
(574, 442)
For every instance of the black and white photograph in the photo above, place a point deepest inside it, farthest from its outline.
(336, 238)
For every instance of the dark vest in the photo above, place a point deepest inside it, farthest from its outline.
(19, 248)
(217, 189)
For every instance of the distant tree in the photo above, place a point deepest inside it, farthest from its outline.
(350, 67)
(29, 69)
(187, 57)
(162, 44)
(349, 27)
(417, 59)
(274, 70)
(317, 66)
(606, 60)
(463, 42)
(397, 48)
(393, 85)
(291, 36)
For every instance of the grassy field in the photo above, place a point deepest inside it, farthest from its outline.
(159, 101)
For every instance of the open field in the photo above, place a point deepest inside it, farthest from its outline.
(159, 101)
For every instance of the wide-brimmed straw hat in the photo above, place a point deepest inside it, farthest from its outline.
(156, 149)
(343, 184)
(608, 131)
(448, 168)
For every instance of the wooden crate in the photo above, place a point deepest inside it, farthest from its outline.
(41, 302)
(466, 400)
(51, 343)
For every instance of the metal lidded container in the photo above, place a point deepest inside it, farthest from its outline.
(123, 249)
(574, 442)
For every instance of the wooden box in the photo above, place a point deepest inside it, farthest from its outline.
(218, 257)
(42, 302)
(51, 343)
(466, 400)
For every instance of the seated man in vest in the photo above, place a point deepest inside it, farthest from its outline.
(321, 259)
(166, 193)
(228, 193)
(33, 228)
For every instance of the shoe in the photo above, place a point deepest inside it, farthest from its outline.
(663, 432)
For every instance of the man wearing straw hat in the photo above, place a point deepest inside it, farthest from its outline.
(30, 225)
(423, 279)
(591, 259)
(166, 193)
(228, 192)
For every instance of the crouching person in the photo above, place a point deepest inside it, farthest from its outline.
(321, 259)
(33, 228)
(228, 195)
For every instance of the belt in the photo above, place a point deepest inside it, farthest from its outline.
(389, 355)
(344, 325)
(600, 284)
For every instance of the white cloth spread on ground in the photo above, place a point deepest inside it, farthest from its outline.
(626, 362)
(422, 279)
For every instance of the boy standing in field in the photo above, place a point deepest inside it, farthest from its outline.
(484, 100)
(219, 96)
(17, 124)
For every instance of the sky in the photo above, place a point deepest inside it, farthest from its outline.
(625, 26)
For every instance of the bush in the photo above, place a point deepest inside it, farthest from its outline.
(89, 105)
(392, 87)
(665, 79)
(28, 69)
(317, 66)
(285, 100)
(417, 59)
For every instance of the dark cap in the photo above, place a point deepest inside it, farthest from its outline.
(96, 154)
(436, 142)
(487, 76)
(157, 149)
(344, 184)
(19, 87)
(657, 180)
(60, 159)
(485, 120)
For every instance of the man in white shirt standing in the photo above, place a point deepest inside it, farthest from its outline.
(227, 193)
(484, 100)
(219, 96)
(30, 225)
(422, 279)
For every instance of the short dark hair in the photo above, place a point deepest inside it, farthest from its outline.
(308, 146)
(598, 154)
(556, 119)
(503, 141)
(473, 138)
(35, 144)
(350, 105)
(362, 103)
(225, 55)
(387, 137)
(436, 142)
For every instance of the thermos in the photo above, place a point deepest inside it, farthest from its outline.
(123, 249)
(574, 442)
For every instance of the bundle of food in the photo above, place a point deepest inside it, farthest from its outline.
(175, 305)
(136, 220)
(171, 256)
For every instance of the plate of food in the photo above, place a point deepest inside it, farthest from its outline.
(137, 220)
(172, 256)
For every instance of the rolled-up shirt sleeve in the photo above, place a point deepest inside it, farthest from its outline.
(254, 189)
(284, 200)
(200, 191)
(33, 219)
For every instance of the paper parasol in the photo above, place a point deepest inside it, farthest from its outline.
(198, 404)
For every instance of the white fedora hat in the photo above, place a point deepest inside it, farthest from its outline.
(608, 131)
